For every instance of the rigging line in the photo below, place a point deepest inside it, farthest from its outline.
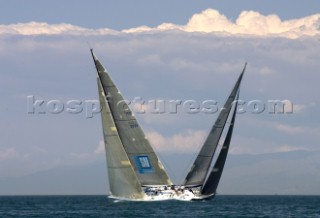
(162, 160)
(87, 42)
(191, 161)
(214, 126)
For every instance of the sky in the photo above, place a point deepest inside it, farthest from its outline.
(164, 50)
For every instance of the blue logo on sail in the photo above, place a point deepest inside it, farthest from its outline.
(143, 164)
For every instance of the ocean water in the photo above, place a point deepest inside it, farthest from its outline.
(102, 206)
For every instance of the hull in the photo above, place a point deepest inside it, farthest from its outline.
(165, 193)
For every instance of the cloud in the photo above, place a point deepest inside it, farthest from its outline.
(80, 156)
(8, 153)
(191, 141)
(100, 149)
(289, 129)
(299, 107)
(249, 23)
(296, 130)
(254, 146)
(36, 28)
(293, 129)
(89, 156)
(289, 148)
(186, 142)
(264, 71)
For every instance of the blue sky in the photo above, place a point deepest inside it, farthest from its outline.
(123, 14)
(164, 50)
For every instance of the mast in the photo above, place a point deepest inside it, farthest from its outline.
(142, 157)
(200, 167)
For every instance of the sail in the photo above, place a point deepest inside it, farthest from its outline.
(199, 169)
(123, 181)
(212, 182)
(142, 157)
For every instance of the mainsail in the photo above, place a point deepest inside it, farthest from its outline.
(140, 155)
(123, 181)
(200, 167)
(212, 182)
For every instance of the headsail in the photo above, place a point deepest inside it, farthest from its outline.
(199, 170)
(142, 157)
(212, 182)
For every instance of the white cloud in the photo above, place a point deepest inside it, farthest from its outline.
(288, 148)
(266, 71)
(250, 145)
(299, 107)
(192, 140)
(294, 130)
(138, 29)
(186, 142)
(253, 146)
(8, 153)
(285, 127)
(36, 28)
(80, 156)
(289, 129)
(89, 156)
(100, 149)
(249, 23)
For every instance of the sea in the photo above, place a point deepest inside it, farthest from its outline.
(102, 206)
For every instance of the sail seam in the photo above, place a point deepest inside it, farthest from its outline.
(111, 135)
(119, 167)
(201, 155)
(118, 120)
(140, 152)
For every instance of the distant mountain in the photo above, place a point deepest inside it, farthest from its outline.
(64, 180)
(296, 172)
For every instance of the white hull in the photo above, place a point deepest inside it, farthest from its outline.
(168, 195)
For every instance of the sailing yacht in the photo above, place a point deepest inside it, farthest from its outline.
(134, 170)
